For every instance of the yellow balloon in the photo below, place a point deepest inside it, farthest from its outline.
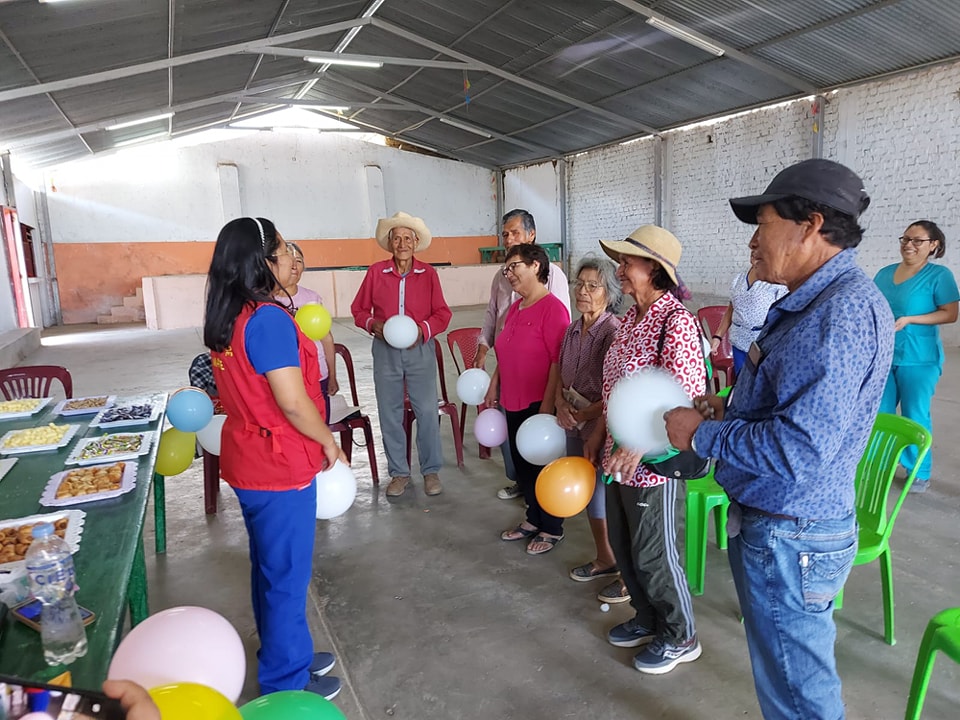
(190, 701)
(175, 452)
(314, 320)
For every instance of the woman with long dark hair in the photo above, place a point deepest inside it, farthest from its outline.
(274, 442)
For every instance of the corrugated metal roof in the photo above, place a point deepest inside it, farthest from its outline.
(542, 78)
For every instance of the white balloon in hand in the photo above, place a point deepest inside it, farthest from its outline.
(400, 331)
(336, 491)
(540, 440)
(636, 406)
(472, 386)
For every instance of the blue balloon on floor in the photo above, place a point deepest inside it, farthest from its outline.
(190, 409)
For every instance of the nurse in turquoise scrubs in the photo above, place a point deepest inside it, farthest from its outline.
(922, 295)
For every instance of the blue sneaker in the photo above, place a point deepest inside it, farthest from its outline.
(629, 634)
(662, 656)
(323, 663)
(327, 686)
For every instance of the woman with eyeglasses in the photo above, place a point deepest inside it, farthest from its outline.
(527, 378)
(274, 442)
(295, 296)
(923, 295)
(579, 399)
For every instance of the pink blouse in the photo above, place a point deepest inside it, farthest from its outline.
(526, 347)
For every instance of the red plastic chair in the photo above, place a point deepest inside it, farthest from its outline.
(34, 381)
(466, 341)
(346, 426)
(722, 359)
(444, 407)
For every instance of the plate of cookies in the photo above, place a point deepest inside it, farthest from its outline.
(89, 484)
(24, 407)
(126, 413)
(38, 439)
(16, 537)
(113, 447)
(84, 405)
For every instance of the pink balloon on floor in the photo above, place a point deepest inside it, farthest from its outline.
(490, 429)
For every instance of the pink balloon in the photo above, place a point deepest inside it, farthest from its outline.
(490, 429)
(36, 716)
(182, 645)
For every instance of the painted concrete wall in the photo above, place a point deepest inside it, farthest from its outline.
(536, 188)
(156, 210)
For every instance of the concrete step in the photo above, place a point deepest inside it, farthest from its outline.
(122, 314)
(133, 301)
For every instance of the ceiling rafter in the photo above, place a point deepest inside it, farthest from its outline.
(256, 65)
(141, 68)
(516, 79)
(323, 55)
(294, 102)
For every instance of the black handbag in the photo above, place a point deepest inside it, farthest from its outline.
(678, 464)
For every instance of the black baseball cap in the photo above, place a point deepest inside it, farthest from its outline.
(821, 181)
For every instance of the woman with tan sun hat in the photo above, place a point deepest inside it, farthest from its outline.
(403, 285)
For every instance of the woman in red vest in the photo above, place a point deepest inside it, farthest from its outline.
(274, 442)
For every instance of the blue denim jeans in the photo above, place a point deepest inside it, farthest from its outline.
(787, 574)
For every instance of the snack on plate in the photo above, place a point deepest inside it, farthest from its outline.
(86, 403)
(90, 481)
(47, 435)
(111, 445)
(18, 406)
(15, 541)
(127, 412)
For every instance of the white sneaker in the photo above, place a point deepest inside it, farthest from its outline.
(510, 492)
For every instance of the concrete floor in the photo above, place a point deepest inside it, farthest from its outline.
(432, 616)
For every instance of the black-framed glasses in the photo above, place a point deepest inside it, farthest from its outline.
(916, 242)
(511, 268)
(590, 286)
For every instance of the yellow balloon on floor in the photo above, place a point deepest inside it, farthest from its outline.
(176, 452)
(190, 701)
(565, 486)
(314, 320)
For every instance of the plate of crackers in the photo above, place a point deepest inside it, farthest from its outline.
(84, 405)
(38, 439)
(16, 537)
(24, 407)
(89, 484)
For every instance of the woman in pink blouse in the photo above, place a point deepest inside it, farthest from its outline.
(640, 504)
(527, 376)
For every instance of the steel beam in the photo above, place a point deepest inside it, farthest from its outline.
(256, 65)
(324, 55)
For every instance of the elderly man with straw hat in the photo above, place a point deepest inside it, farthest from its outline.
(403, 285)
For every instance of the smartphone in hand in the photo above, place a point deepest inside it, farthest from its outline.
(19, 697)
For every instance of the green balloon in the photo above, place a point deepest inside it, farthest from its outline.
(291, 705)
(175, 452)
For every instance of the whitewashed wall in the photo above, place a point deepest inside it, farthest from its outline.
(536, 188)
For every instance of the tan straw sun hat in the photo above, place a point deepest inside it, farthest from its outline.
(651, 242)
(402, 219)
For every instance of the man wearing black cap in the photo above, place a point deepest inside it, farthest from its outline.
(788, 443)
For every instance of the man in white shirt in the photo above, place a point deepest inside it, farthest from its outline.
(518, 228)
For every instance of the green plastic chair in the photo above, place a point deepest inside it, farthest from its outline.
(703, 495)
(891, 434)
(943, 634)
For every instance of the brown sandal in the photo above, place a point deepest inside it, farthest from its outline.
(520, 533)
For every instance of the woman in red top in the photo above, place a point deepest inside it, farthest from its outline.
(274, 442)
(527, 376)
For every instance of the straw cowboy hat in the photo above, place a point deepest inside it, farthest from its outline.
(402, 219)
(651, 242)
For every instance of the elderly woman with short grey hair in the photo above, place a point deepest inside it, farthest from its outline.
(579, 401)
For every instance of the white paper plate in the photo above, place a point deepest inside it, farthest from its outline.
(155, 410)
(75, 520)
(146, 440)
(6, 465)
(67, 437)
(41, 404)
(61, 408)
(127, 482)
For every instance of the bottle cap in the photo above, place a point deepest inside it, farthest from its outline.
(42, 530)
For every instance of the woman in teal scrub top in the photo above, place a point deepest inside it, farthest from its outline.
(922, 296)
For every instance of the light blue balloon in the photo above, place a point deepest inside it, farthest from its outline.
(190, 410)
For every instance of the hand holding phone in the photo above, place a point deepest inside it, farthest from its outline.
(133, 698)
(64, 701)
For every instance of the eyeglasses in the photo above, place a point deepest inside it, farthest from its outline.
(511, 268)
(916, 242)
(590, 287)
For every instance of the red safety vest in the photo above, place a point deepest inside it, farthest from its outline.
(260, 449)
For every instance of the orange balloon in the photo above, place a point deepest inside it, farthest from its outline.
(565, 486)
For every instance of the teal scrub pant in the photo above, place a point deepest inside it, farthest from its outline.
(911, 387)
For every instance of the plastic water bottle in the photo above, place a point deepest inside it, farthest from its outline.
(52, 581)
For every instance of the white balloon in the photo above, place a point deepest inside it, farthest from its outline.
(472, 386)
(400, 331)
(209, 436)
(540, 440)
(336, 491)
(636, 406)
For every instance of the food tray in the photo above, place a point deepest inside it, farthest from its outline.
(63, 409)
(41, 403)
(67, 437)
(6, 465)
(75, 458)
(127, 482)
(75, 520)
(155, 410)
